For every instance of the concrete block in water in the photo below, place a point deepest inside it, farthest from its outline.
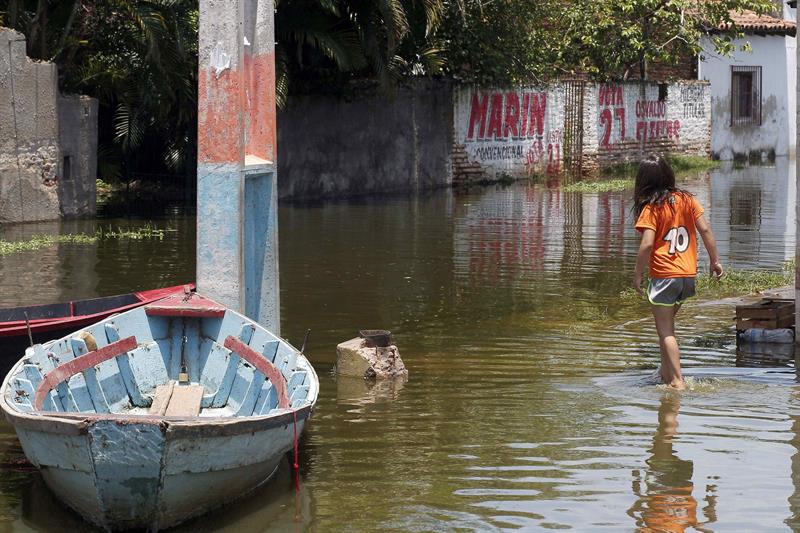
(355, 358)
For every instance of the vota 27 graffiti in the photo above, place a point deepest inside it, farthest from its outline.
(506, 115)
(611, 100)
(651, 122)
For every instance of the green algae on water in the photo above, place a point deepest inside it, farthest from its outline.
(599, 186)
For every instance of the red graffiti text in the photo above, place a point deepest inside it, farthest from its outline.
(504, 115)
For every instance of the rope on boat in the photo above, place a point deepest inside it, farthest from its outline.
(296, 464)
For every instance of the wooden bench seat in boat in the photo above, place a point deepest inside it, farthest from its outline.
(176, 399)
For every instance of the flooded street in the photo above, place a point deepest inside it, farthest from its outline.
(527, 407)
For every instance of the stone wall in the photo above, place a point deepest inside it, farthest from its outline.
(77, 187)
(29, 153)
(331, 147)
(31, 163)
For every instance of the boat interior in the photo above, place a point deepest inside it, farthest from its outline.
(155, 362)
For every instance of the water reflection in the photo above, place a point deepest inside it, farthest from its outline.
(753, 213)
(359, 391)
(664, 490)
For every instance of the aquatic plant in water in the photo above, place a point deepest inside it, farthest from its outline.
(599, 185)
(36, 242)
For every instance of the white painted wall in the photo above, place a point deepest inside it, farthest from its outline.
(517, 132)
(778, 99)
(520, 132)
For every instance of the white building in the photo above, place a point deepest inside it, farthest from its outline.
(753, 94)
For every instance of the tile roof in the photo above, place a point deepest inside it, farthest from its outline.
(750, 22)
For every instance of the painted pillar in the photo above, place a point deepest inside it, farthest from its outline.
(237, 224)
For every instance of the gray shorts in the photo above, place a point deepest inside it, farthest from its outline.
(670, 291)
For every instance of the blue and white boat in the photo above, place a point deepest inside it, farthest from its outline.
(161, 413)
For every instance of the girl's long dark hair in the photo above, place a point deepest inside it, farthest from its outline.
(655, 183)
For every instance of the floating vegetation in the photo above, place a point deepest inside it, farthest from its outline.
(599, 185)
(736, 283)
(37, 242)
(145, 232)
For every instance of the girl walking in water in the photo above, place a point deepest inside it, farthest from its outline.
(668, 219)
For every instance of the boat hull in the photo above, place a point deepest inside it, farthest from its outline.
(119, 473)
(161, 413)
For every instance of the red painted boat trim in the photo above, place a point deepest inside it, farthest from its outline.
(188, 304)
(63, 372)
(264, 365)
(18, 328)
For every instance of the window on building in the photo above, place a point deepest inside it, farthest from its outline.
(745, 96)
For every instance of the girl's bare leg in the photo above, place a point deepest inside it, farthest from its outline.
(670, 353)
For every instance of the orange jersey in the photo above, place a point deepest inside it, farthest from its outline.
(674, 252)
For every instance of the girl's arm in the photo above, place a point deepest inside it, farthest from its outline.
(711, 245)
(643, 258)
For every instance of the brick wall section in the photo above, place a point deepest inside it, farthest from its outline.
(684, 69)
(465, 172)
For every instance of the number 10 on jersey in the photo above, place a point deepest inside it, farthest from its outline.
(678, 239)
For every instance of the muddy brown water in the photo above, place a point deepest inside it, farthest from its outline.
(529, 405)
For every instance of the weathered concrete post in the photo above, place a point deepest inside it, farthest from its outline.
(237, 224)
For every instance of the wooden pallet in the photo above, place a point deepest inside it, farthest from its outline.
(767, 314)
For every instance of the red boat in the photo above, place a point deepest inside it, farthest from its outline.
(51, 321)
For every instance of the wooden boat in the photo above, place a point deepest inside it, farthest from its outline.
(51, 321)
(160, 413)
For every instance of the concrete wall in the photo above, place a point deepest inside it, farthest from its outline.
(30, 136)
(778, 103)
(520, 132)
(436, 135)
(29, 153)
(329, 147)
(77, 186)
(796, 75)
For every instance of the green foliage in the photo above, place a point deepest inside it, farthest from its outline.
(502, 43)
(324, 44)
(512, 42)
(681, 164)
(735, 283)
(138, 58)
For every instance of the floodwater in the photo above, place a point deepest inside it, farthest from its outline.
(529, 405)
